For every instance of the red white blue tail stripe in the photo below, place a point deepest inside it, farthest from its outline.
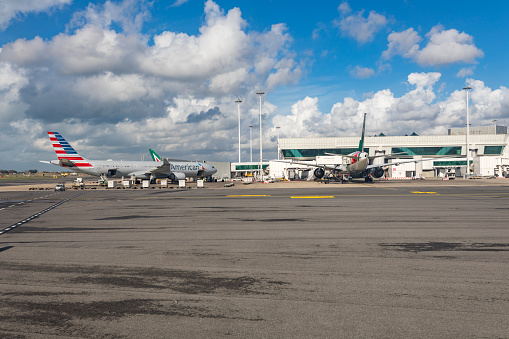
(65, 151)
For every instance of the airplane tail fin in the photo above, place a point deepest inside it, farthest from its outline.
(155, 156)
(67, 156)
(361, 142)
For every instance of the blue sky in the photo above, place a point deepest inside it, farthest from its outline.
(116, 78)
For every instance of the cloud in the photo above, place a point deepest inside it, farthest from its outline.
(178, 3)
(360, 72)
(319, 27)
(423, 80)
(415, 111)
(404, 43)
(128, 14)
(105, 73)
(104, 83)
(448, 46)
(109, 87)
(221, 47)
(358, 27)
(211, 115)
(464, 72)
(444, 47)
(10, 10)
(488, 104)
(12, 81)
(303, 121)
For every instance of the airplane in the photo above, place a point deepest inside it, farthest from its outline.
(174, 170)
(357, 165)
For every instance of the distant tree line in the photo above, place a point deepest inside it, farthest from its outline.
(32, 171)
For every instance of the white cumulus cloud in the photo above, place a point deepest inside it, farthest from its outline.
(10, 9)
(418, 110)
(443, 47)
(404, 43)
(12, 80)
(357, 26)
(448, 46)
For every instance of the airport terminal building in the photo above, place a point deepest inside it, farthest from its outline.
(489, 152)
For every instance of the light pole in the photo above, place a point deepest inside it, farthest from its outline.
(238, 101)
(468, 134)
(260, 93)
(277, 129)
(251, 140)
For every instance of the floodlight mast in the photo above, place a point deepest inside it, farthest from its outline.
(468, 134)
(277, 129)
(238, 101)
(260, 93)
(251, 140)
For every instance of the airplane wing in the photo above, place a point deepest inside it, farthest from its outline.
(139, 174)
(328, 167)
(385, 155)
(407, 161)
(299, 163)
(162, 169)
(370, 157)
(343, 155)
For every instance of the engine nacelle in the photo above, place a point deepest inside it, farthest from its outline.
(319, 173)
(176, 176)
(377, 172)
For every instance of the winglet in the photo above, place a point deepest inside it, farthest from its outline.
(155, 156)
(361, 142)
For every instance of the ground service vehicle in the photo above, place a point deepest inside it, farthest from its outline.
(60, 187)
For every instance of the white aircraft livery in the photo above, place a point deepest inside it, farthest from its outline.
(174, 170)
(357, 163)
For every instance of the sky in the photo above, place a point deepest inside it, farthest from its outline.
(116, 78)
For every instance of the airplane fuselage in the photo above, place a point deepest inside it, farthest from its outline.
(356, 167)
(140, 169)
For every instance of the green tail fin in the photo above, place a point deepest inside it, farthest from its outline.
(361, 142)
(155, 156)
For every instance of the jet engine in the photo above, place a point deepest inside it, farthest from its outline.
(176, 176)
(319, 173)
(377, 172)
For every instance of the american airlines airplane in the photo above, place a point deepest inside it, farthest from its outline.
(162, 169)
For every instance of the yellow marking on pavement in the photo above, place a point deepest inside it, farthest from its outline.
(314, 197)
(248, 195)
(417, 192)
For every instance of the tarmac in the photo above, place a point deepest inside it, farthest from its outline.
(389, 259)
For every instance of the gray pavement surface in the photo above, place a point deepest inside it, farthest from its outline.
(384, 260)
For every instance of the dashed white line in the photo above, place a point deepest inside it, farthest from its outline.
(7, 229)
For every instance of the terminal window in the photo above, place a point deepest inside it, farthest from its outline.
(249, 167)
(451, 150)
(312, 153)
(493, 150)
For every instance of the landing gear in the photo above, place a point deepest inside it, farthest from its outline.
(368, 179)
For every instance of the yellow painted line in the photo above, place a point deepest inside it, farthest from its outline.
(314, 197)
(248, 195)
(417, 192)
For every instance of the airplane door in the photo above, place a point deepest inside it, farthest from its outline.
(112, 172)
